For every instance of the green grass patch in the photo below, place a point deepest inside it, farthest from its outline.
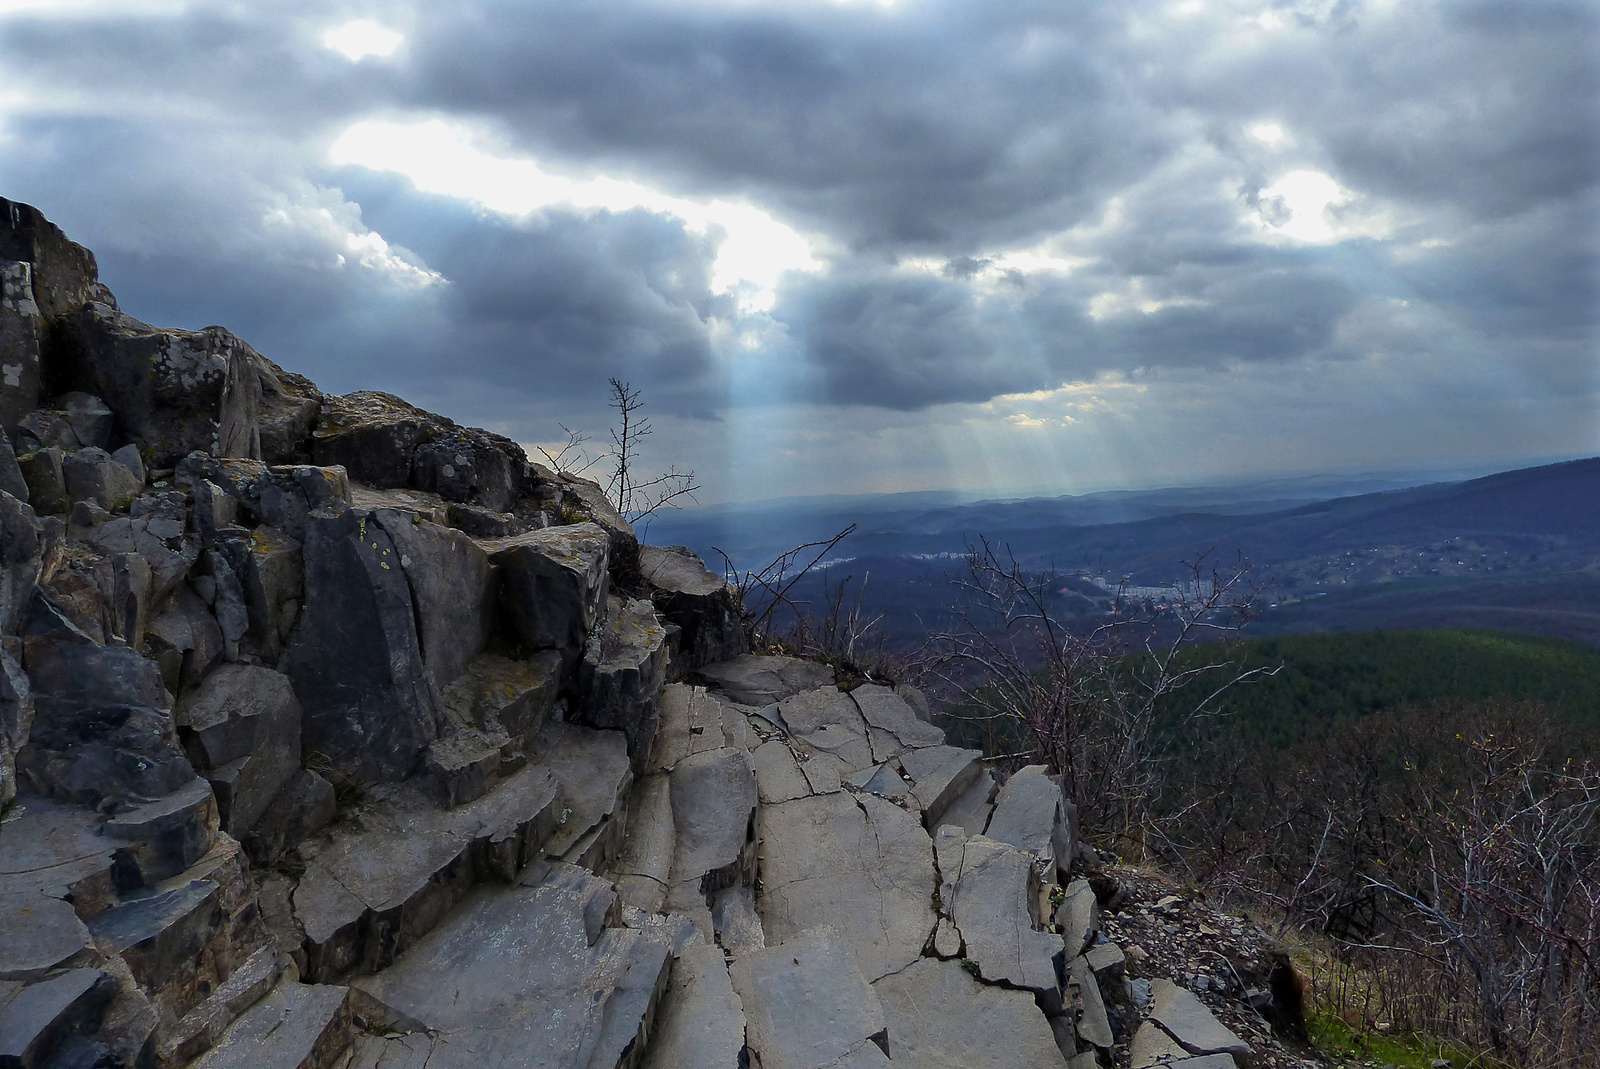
(1333, 1037)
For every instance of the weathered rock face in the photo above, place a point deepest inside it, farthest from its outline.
(348, 744)
(355, 661)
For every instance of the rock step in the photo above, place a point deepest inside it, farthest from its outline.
(37, 1017)
(296, 1026)
(380, 882)
(203, 1026)
(702, 1018)
(807, 1005)
(538, 970)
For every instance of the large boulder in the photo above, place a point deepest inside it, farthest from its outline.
(290, 405)
(241, 730)
(552, 584)
(450, 586)
(620, 677)
(702, 606)
(176, 391)
(372, 435)
(92, 475)
(355, 659)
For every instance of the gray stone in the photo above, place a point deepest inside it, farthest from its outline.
(91, 421)
(203, 1027)
(701, 604)
(450, 587)
(56, 849)
(1190, 1023)
(939, 775)
(1078, 917)
(91, 475)
(355, 660)
(162, 937)
(11, 480)
(991, 910)
(1093, 1024)
(758, 680)
(1107, 961)
(22, 330)
(36, 1017)
(518, 696)
(644, 866)
(177, 391)
(290, 405)
(241, 729)
(552, 584)
(701, 1024)
(47, 428)
(595, 776)
(372, 435)
(620, 677)
(47, 484)
(826, 721)
(778, 777)
(971, 811)
(128, 456)
(269, 568)
(862, 865)
(886, 711)
(165, 836)
(22, 549)
(807, 1004)
(383, 882)
(517, 976)
(16, 721)
(471, 465)
(297, 1026)
(824, 773)
(587, 499)
(737, 924)
(465, 764)
(691, 722)
(713, 803)
(1027, 811)
(304, 806)
(186, 630)
(42, 933)
(1152, 1046)
(125, 580)
(939, 1017)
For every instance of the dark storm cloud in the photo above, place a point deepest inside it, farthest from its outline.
(189, 151)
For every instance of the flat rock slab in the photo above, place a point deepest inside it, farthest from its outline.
(644, 867)
(861, 865)
(297, 1026)
(1078, 917)
(513, 978)
(1186, 1018)
(713, 799)
(34, 1017)
(691, 722)
(595, 776)
(808, 1006)
(754, 679)
(884, 710)
(827, 721)
(972, 809)
(701, 1024)
(990, 908)
(1093, 1024)
(1027, 811)
(383, 880)
(940, 1017)
(41, 933)
(939, 775)
(778, 776)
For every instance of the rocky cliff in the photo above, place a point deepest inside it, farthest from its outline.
(335, 734)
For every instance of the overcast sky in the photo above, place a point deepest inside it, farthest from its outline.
(849, 247)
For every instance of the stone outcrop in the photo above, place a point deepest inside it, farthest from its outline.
(336, 735)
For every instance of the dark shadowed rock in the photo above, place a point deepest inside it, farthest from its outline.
(372, 435)
(290, 405)
(91, 421)
(36, 1017)
(297, 1026)
(518, 696)
(472, 466)
(11, 480)
(185, 639)
(47, 486)
(22, 334)
(21, 560)
(176, 391)
(304, 806)
(552, 584)
(701, 604)
(16, 721)
(355, 661)
(65, 275)
(585, 497)
(241, 729)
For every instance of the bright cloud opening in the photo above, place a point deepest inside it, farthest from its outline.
(1268, 133)
(1297, 204)
(357, 40)
(444, 158)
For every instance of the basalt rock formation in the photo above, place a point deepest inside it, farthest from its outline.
(335, 734)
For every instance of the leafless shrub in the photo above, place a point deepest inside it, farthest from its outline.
(1087, 702)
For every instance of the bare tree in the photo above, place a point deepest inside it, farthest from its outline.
(1087, 703)
(638, 498)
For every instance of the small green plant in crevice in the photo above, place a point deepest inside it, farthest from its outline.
(11, 810)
